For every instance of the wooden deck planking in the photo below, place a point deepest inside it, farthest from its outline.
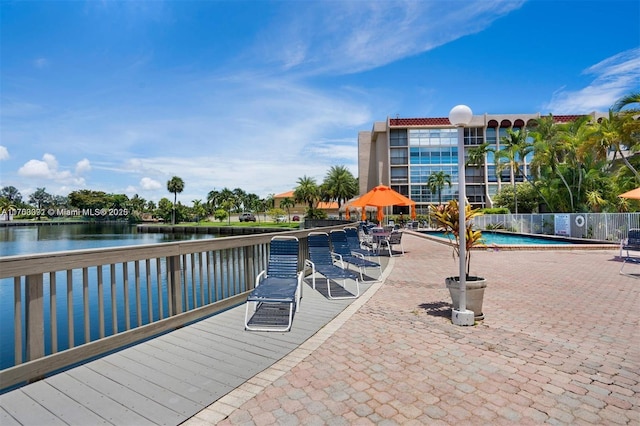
(6, 419)
(27, 411)
(181, 386)
(215, 385)
(162, 394)
(80, 404)
(188, 367)
(145, 410)
(168, 379)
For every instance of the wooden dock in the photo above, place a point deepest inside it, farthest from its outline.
(167, 379)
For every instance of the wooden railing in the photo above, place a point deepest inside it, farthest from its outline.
(104, 299)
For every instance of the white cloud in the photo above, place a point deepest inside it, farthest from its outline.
(614, 78)
(348, 37)
(4, 153)
(35, 169)
(83, 166)
(47, 169)
(149, 184)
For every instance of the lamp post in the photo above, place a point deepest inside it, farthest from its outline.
(460, 116)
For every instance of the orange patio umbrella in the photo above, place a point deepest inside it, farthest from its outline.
(634, 194)
(384, 196)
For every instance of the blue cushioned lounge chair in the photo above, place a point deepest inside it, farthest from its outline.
(340, 247)
(277, 288)
(322, 261)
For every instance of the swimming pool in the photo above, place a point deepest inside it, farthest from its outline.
(506, 239)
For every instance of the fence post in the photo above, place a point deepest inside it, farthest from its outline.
(174, 283)
(34, 317)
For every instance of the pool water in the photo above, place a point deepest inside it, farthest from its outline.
(490, 238)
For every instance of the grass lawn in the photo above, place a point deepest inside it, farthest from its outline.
(225, 224)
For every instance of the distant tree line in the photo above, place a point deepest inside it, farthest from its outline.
(339, 185)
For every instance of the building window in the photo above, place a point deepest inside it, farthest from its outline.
(433, 137)
(473, 136)
(491, 136)
(398, 137)
(399, 175)
(399, 156)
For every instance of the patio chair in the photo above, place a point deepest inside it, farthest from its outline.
(322, 261)
(277, 288)
(356, 244)
(340, 247)
(393, 239)
(632, 243)
(378, 234)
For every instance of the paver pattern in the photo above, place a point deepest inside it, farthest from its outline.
(560, 344)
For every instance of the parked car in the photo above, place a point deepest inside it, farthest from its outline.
(296, 218)
(247, 217)
(281, 219)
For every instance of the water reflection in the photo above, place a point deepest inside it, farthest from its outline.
(21, 240)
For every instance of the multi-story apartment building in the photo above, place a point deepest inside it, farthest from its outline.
(404, 152)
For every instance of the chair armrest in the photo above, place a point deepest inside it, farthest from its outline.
(261, 276)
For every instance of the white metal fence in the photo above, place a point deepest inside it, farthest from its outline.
(596, 226)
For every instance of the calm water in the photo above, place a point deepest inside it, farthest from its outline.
(22, 240)
(16, 240)
(508, 239)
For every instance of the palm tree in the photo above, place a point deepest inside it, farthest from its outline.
(625, 101)
(252, 203)
(477, 156)
(269, 202)
(227, 202)
(339, 185)
(213, 200)
(614, 132)
(287, 203)
(436, 183)
(514, 152)
(6, 207)
(241, 203)
(175, 186)
(198, 210)
(307, 191)
(556, 156)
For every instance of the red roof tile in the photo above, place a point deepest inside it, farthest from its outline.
(427, 121)
(566, 118)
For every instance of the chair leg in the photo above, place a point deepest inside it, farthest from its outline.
(630, 260)
(344, 285)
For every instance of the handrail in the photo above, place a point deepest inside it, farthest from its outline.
(112, 297)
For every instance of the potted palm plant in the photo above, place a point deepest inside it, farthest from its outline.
(446, 218)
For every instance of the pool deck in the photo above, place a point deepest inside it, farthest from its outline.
(560, 345)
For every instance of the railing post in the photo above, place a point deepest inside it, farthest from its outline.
(174, 283)
(249, 267)
(34, 317)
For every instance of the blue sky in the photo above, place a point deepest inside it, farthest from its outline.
(121, 96)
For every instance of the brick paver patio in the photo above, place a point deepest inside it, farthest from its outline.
(560, 345)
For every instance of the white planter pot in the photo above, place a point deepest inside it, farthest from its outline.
(475, 294)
